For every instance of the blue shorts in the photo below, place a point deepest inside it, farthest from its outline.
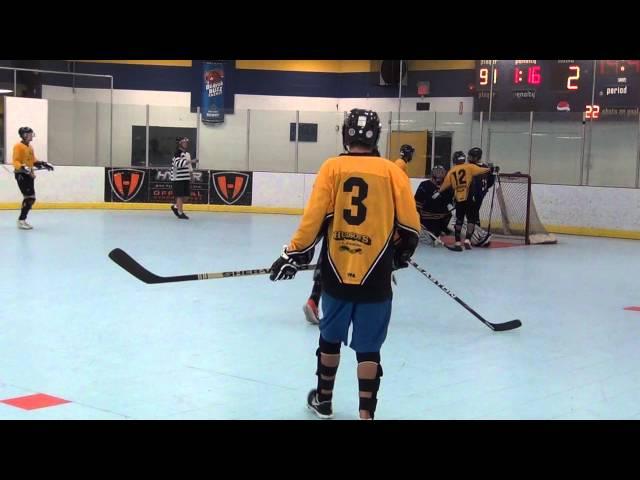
(370, 323)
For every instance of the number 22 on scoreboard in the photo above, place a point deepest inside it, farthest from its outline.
(592, 112)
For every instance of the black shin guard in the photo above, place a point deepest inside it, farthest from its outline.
(326, 375)
(27, 203)
(370, 385)
(470, 229)
(457, 231)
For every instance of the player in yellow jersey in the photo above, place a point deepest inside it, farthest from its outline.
(24, 166)
(406, 155)
(363, 207)
(311, 307)
(459, 178)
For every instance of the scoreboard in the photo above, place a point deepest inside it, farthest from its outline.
(558, 86)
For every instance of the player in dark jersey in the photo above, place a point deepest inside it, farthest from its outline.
(435, 213)
(363, 207)
(479, 188)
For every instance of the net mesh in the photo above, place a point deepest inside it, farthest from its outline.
(509, 216)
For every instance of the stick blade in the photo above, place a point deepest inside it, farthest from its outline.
(125, 261)
(510, 325)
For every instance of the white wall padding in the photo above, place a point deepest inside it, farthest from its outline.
(63, 185)
(277, 190)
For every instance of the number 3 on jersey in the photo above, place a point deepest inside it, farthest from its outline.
(356, 201)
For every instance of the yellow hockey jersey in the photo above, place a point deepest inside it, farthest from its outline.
(459, 178)
(23, 156)
(358, 202)
(403, 166)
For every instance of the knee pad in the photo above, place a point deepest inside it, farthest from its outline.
(368, 357)
(328, 347)
(371, 385)
(28, 202)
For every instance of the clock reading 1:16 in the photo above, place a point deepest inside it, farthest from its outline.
(530, 75)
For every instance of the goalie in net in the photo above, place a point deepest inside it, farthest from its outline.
(505, 205)
(436, 214)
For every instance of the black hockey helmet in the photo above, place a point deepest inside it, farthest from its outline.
(361, 127)
(458, 157)
(22, 131)
(406, 152)
(437, 174)
(475, 154)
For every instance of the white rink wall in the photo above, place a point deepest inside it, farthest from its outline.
(63, 185)
(612, 208)
(604, 208)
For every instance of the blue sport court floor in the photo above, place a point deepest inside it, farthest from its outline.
(82, 339)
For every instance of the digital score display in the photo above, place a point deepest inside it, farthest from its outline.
(531, 74)
(562, 76)
(558, 86)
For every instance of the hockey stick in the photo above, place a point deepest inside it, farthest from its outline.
(510, 325)
(123, 259)
(437, 240)
(11, 173)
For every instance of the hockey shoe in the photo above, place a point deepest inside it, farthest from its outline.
(321, 409)
(311, 313)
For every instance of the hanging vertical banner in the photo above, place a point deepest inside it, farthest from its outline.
(212, 92)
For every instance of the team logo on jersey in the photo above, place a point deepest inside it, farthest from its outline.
(345, 248)
(126, 182)
(356, 237)
(230, 186)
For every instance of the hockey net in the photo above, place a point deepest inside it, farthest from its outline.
(514, 213)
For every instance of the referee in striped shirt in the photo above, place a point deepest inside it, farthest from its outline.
(181, 171)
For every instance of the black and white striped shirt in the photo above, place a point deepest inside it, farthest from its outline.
(181, 166)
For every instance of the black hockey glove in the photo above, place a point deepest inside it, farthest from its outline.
(286, 265)
(404, 246)
(401, 259)
(43, 165)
